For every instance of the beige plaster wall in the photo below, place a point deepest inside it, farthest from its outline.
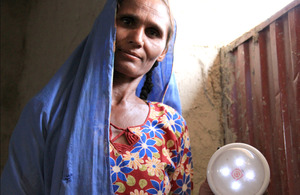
(38, 36)
(200, 91)
(197, 68)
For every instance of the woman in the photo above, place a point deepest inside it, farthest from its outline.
(87, 132)
(151, 154)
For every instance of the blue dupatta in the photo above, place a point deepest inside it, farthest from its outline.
(61, 142)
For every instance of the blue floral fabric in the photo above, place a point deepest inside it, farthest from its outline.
(160, 162)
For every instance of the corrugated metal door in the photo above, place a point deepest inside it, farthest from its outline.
(262, 105)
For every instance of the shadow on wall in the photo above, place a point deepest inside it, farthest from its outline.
(36, 39)
(14, 16)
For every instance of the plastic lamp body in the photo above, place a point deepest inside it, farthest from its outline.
(238, 169)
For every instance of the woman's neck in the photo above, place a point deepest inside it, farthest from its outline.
(124, 89)
(127, 109)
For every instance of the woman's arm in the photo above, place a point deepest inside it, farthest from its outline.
(182, 177)
(205, 189)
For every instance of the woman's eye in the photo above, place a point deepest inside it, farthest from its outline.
(127, 21)
(153, 32)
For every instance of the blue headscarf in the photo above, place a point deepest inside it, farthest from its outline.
(61, 142)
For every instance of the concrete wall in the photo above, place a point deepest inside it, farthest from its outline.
(38, 36)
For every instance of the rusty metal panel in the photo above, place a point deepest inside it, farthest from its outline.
(264, 97)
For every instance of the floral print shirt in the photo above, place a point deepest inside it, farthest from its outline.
(158, 161)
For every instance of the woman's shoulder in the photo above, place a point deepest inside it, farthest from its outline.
(42, 106)
(167, 116)
(162, 107)
(166, 110)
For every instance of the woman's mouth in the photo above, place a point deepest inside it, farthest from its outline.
(130, 54)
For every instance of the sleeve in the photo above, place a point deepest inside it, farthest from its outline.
(181, 180)
(23, 172)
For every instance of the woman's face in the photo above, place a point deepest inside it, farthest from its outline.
(142, 30)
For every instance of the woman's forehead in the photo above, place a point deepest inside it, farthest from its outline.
(155, 10)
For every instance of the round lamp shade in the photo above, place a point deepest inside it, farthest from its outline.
(238, 168)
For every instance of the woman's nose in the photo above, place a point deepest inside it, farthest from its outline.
(137, 37)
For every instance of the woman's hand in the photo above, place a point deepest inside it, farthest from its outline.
(205, 189)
